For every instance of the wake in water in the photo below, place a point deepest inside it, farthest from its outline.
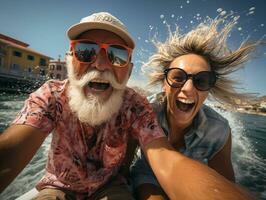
(250, 169)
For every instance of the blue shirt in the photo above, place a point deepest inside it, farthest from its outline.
(206, 137)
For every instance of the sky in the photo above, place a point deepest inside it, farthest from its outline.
(43, 25)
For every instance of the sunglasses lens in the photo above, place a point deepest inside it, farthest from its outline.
(86, 51)
(118, 55)
(204, 80)
(176, 77)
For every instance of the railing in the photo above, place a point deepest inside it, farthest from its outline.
(20, 74)
(17, 80)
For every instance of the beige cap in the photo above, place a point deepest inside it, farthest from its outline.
(101, 20)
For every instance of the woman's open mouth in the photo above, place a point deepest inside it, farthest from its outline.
(185, 105)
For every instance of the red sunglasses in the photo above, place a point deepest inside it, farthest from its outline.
(86, 51)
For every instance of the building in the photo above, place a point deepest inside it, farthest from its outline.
(20, 64)
(57, 70)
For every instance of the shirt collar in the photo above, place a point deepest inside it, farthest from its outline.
(197, 126)
(200, 122)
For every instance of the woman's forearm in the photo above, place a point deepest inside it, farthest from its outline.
(184, 178)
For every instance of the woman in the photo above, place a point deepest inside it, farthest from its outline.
(192, 67)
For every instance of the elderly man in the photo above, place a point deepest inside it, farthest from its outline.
(91, 116)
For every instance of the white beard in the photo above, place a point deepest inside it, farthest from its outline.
(90, 109)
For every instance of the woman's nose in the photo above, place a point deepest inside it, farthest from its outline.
(188, 86)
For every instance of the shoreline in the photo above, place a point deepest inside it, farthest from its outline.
(250, 112)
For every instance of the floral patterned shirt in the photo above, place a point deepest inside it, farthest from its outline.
(83, 158)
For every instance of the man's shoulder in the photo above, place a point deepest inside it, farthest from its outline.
(133, 95)
(135, 102)
(52, 86)
(52, 83)
(51, 89)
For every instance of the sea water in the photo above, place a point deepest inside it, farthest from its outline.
(248, 150)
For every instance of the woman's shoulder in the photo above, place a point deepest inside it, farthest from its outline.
(215, 127)
(215, 131)
(213, 116)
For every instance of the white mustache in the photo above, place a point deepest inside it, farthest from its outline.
(95, 74)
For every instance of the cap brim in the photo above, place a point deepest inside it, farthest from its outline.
(79, 28)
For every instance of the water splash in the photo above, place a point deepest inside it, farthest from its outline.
(151, 27)
(250, 12)
(219, 10)
(223, 13)
(252, 8)
(250, 169)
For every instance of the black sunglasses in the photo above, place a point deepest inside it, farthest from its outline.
(202, 81)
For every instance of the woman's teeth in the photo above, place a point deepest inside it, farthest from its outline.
(185, 105)
(188, 101)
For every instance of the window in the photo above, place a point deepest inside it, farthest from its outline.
(42, 62)
(30, 57)
(29, 70)
(51, 75)
(51, 67)
(42, 72)
(15, 66)
(58, 67)
(58, 76)
(17, 54)
(2, 50)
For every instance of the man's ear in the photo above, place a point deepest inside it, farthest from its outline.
(130, 67)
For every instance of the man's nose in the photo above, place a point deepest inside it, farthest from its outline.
(101, 63)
